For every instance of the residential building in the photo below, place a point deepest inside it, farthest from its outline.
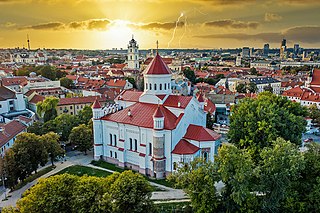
(263, 82)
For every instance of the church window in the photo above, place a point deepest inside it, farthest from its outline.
(115, 155)
(130, 50)
(115, 140)
(150, 149)
(130, 143)
(165, 86)
(155, 86)
(150, 87)
(146, 85)
(110, 139)
(160, 86)
(135, 144)
(111, 154)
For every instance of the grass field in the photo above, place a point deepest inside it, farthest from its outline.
(112, 167)
(84, 170)
(179, 207)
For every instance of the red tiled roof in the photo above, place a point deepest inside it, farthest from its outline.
(165, 60)
(142, 116)
(200, 97)
(17, 80)
(294, 92)
(161, 96)
(129, 95)
(24, 118)
(183, 147)
(158, 113)
(315, 77)
(291, 83)
(316, 89)
(10, 130)
(36, 98)
(116, 83)
(173, 100)
(96, 104)
(79, 100)
(209, 106)
(157, 67)
(200, 133)
(310, 96)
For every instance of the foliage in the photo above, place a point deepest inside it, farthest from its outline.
(253, 71)
(198, 180)
(64, 124)
(47, 108)
(115, 60)
(84, 170)
(209, 121)
(189, 74)
(255, 123)
(314, 113)
(252, 87)
(241, 88)
(85, 115)
(82, 137)
(268, 88)
(126, 192)
(46, 71)
(52, 146)
(66, 82)
(132, 81)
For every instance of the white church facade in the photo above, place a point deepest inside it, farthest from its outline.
(153, 131)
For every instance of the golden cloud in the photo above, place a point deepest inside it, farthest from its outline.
(269, 17)
(229, 23)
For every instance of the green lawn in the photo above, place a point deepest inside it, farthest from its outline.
(33, 177)
(84, 170)
(181, 207)
(112, 167)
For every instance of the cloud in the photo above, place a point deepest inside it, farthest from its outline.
(45, 26)
(305, 34)
(229, 23)
(269, 17)
(159, 25)
(97, 24)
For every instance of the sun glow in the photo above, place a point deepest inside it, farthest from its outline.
(118, 33)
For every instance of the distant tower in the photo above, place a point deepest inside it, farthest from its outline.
(266, 49)
(28, 41)
(97, 133)
(238, 60)
(283, 49)
(133, 54)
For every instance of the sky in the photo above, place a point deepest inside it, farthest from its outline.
(106, 24)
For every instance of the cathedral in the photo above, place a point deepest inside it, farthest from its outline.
(153, 131)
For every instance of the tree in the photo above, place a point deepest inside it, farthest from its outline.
(255, 123)
(66, 82)
(314, 113)
(241, 88)
(189, 74)
(36, 128)
(253, 71)
(85, 115)
(131, 192)
(268, 88)
(252, 87)
(64, 125)
(10, 171)
(132, 81)
(82, 137)
(198, 180)
(47, 108)
(51, 143)
(209, 121)
(48, 72)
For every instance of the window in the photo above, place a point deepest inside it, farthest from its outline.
(155, 86)
(115, 155)
(175, 166)
(150, 87)
(165, 86)
(70, 107)
(146, 85)
(135, 144)
(77, 107)
(115, 140)
(11, 102)
(160, 86)
(110, 139)
(60, 108)
(110, 153)
(130, 143)
(71, 113)
(150, 149)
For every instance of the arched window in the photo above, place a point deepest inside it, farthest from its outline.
(160, 86)
(150, 149)
(165, 86)
(146, 85)
(155, 86)
(150, 86)
(115, 140)
(115, 155)
(130, 143)
(110, 139)
(135, 144)
(111, 154)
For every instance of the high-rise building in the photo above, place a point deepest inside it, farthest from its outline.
(245, 52)
(238, 61)
(266, 48)
(283, 49)
(133, 54)
(296, 49)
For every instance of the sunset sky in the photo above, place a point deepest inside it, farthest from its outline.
(105, 24)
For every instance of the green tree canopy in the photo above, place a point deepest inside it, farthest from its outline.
(82, 137)
(47, 108)
(253, 71)
(241, 88)
(52, 145)
(66, 82)
(255, 123)
(252, 87)
(189, 74)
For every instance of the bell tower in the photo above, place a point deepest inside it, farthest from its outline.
(133, 55)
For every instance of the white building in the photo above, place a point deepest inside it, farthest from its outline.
(133, 55)
(152, 131)
(263, 82)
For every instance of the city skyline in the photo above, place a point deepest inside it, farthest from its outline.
(200, 24)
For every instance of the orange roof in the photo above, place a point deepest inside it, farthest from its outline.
(128, 95)
(310, 96)
(157, 67)
(142, 116)
(17, 80)
(294, 92)
(10, 130)
(173, 100)
(183, 147)
(200, 133)
(79, 100)
(36, 98)
(116, 83)
(165, 60)
(96, 104)
(209, 106)
(315, 77)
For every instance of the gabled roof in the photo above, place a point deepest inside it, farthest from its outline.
(158, 113)
(79, 100)
(294, 92)
(157, 67)
(96, 104)
(173, 100)
(183, 147)
(142, 116)
(200, 133)
(6, 93)
(36, 98)
(315, 77)
(129, 95)
(209, 106)
(10, 130)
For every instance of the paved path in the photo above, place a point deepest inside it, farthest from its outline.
(85, 160)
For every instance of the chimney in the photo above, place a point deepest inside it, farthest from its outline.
(129, 113)
(179, 104)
